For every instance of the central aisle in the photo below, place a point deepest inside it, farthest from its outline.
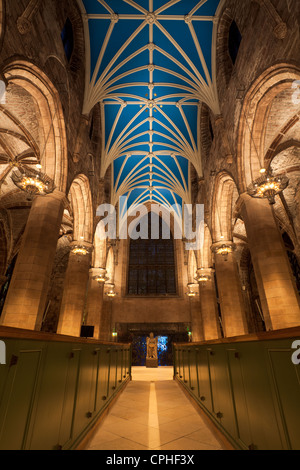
(153, 413)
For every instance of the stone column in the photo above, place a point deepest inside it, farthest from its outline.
(106, 320)
(230, 295)
(75, 293)
(95, 300)
(27, 295)
(276, 285)
(208, 305)
(195, 315)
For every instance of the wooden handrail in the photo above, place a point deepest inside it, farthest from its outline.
(264, 336)
(16, 333)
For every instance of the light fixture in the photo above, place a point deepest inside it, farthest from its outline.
(191, 292)
(111, 291)
(224, 249)
(101, 278)
(33, 182)
(267, 186)
(80, 248)
(202, 278)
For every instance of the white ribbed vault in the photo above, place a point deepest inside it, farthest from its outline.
(151, 63)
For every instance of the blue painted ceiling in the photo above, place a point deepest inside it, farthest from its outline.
(150, 64)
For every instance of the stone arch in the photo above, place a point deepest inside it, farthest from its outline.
(224, 199)
(81, 201)
(51, 148)
(257, 140)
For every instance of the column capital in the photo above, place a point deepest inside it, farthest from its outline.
(205, 275)
(215, 246)
(206, 271)
(81, 247)
(99, 275)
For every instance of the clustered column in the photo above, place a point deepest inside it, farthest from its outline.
(208, 304)
(75, 292)
(27, 295)
(95, 300)
(276, 285)
(230, 294)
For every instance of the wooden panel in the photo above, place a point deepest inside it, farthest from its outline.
(18, 400)
(286, 378)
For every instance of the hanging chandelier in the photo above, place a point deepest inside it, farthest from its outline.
(267, 186)
(33, 182)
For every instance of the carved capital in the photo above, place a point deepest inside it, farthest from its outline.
(280, 29)
(24, 24)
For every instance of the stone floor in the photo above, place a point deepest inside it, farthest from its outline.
(153, 413)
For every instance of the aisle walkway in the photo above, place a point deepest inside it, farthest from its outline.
(153, 413)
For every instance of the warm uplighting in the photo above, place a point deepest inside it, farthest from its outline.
(101, 278)
(33, 182)
(267, 186)
(202, 276)
(80, 249)
(191, 292)
(111, 292)
(224, 249)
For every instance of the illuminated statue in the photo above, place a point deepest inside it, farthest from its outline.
(151, 347)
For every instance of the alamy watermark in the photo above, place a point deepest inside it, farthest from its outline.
(185, 223)
(296, 354)
(2, 353)
(2, 92)
(296, 94)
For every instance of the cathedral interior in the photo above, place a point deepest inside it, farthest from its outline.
(117, 118)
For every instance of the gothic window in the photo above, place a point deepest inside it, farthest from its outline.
(67, 36)
(235, 39)
(152, 266)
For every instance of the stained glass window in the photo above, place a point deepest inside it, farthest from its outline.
(152, 266)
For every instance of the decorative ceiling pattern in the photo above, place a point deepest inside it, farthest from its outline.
(151, 63)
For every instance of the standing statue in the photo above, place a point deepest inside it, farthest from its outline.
(152, 360)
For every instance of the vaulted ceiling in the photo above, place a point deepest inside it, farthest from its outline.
(151, 63)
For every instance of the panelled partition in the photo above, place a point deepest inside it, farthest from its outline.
(54, 389)
(248, 386)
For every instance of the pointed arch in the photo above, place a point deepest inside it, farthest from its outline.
(52, 149)
(81, 201)
(253, 147)
(225, 196)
